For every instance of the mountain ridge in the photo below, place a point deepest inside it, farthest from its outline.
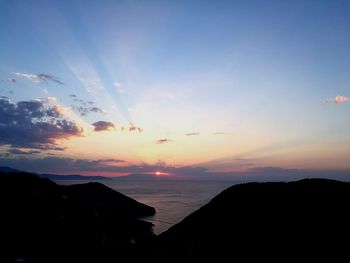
(275, 220)
(57, 177)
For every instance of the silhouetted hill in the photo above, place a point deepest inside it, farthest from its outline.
(6, 169)
(46, 222)
(307, 219)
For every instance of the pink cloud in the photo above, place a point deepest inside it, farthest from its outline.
(337, 100)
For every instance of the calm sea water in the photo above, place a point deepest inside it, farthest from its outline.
(173, 200)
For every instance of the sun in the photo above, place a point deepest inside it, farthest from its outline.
(158, 173)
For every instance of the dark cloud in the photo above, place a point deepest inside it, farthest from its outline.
(162, 141)
(132, 127)
(97, 110)
(41, 77)
(192, 134)
(54, 164)
(103, 126)
(84, 110)
(22, 152)
(62, 165)
(46, 77)
(34, 124)
(85, 107)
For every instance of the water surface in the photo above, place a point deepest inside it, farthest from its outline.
(172, 199)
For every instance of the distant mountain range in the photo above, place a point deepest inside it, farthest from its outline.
(139, 177)
(57, 177)
(77, 177)
(5, 169)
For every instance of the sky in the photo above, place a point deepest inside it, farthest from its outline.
(175, 87)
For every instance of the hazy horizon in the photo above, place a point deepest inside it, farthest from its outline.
(221, 89)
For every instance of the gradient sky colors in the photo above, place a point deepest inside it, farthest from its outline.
(104, 87)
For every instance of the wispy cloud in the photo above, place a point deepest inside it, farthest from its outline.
(85, 110)
(132, 127)
(67, 165)
(219, 133)
(192, 134)
(22, 152)
(53, 164)
(41, 77)
(103, 126)
(62, 164)
(118, 87)
(163, 141)
(337, 100)
(85, 107)
(34, 124)
(10, 80)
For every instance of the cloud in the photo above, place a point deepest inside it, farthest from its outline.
(103, 126)
(132, 127)
(10, 80)
(162, 141)
(192, 134)
(337, 100)
(37, 78)
(85, 107)
(34, 124)
(53, 164)
(218, 133)
(64, 165)
(118, 87)
(97, 110)
(22, 152)
(85, 110)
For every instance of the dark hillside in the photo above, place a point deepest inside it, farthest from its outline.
(45, 222)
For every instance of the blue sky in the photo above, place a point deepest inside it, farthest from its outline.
(251, 79)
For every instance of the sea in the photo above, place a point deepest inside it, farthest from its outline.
(172, 199)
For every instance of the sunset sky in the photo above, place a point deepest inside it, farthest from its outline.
(119, 87)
